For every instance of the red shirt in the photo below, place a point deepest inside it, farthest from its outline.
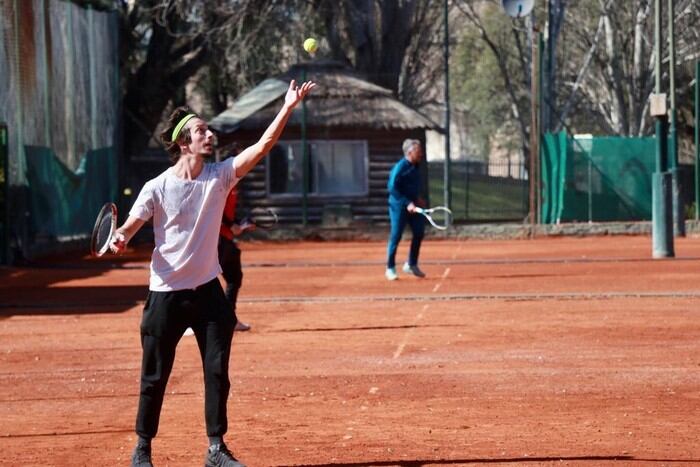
(229, 215)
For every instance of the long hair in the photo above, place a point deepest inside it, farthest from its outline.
(184, 137)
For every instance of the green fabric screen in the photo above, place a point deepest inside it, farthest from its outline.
(63, 203)
(596, 179)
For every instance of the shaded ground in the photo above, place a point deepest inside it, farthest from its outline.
(574, 351)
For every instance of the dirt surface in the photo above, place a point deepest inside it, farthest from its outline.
(567, 351)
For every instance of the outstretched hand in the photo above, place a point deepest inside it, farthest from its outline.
(296, 94)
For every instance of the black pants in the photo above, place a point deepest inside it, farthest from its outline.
(230, 261)
(166, 316)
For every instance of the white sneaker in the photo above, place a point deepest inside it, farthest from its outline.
(390, 274)
(188, 332)
(413, 270)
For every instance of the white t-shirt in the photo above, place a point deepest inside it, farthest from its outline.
(186, 220)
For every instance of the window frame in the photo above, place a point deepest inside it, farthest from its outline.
(313, 194)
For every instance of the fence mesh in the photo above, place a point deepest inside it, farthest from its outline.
(59, 100)
(482, 191)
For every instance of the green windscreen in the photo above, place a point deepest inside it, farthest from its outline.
(596, 179)
(63, 204)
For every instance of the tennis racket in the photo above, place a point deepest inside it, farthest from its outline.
(105, 226)
(439, 217)
(265, 219)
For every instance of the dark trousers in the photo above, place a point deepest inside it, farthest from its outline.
(230, 261)
(166, 316)
(399, 217)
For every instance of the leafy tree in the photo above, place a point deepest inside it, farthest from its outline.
(479, 87)
(167, 43)
(397, 44)
(603, 71)
(230, 46)
(495, 60)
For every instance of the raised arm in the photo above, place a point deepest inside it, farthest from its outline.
(250, 156)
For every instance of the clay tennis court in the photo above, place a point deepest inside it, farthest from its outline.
(566, 351)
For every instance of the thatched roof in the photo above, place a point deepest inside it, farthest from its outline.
(341, 99)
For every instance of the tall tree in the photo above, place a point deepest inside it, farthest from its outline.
(494, 79)
(604, 59)
(166, 42)
(396, 43)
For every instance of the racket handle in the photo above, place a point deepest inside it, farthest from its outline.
(117, 243)
(419, 210)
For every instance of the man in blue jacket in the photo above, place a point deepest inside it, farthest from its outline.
(404, 196)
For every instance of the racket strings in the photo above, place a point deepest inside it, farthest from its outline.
(440, 217)
(104, 228)
(104, 231)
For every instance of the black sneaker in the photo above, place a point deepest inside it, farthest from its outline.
(218, 455)
(141, 457)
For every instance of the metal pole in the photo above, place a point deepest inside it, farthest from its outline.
(447, 185)
(673, 156)
(548, 52)
(534, 79)
(678, 207)
(540, 119)
(697, 140)
(662, 215)
(661, 163)
(590, 187)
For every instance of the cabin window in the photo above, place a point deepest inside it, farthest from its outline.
(335, 168)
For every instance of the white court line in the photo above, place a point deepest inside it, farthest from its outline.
(459, 248)
(408, 334)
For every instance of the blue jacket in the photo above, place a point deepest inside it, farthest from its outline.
(404, 183)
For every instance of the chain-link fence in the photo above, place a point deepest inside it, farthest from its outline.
(495, 191)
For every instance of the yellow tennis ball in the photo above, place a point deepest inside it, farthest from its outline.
(310, 45)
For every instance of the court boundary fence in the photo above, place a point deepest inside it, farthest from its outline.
(60, 104)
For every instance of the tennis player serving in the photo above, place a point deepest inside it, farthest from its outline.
(186, 203)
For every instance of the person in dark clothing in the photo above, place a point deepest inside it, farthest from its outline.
(230, 254)
(404, 196)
